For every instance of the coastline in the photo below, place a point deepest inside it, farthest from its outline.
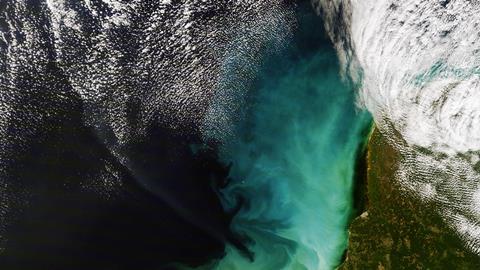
(395, 231)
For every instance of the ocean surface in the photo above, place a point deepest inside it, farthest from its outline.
(153, 134)
(292, 153)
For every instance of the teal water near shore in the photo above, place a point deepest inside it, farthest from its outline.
(293, 158)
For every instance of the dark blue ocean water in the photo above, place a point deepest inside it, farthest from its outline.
(75, 197)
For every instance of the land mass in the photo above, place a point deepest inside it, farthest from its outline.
(394, 230)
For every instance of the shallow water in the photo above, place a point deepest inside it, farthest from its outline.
(102, 103)
(293, 156)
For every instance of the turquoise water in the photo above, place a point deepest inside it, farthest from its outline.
(293, 158)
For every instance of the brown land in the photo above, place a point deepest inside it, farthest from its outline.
(395, 231)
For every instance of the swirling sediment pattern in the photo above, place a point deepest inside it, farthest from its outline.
(102, 100)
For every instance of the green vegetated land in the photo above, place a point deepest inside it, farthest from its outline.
(395, 231)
